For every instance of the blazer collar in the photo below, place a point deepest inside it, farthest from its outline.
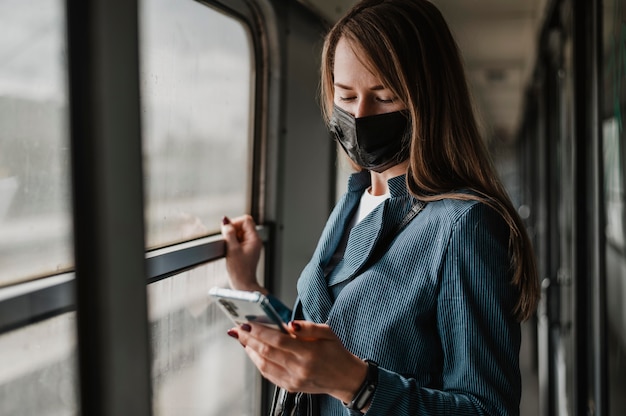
(312, 286)
(364, 238)
(358, 182)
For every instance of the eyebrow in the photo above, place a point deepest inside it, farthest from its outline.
(345, 87)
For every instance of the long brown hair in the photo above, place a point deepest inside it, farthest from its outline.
(408, 44)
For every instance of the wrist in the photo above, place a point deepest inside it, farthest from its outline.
(348, 385)
(362, 397)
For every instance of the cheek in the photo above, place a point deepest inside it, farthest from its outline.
(400, 107)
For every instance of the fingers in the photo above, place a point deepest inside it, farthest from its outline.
(240, 230)
(310, 359)
(282, 348)
(308, 330)
(233, 227)
(270, 370)
(278, 356)
(275, 373)
(271, 348)
(274, 338)
(243, 250)
(248, 226)
(229, 232)
(299, 331)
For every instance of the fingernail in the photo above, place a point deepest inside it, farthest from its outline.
(225, 220)
(296, 326)
(246, 327)
(233, 333)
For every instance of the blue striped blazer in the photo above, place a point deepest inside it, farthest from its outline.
(435, 310)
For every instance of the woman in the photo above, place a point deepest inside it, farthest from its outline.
(424, 268)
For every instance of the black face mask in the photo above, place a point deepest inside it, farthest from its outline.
(373, 142)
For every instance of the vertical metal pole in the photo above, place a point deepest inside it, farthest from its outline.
(546, 384)
(590, 297)
(113, 346)
(598, 225)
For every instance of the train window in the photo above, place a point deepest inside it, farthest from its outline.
(197, 79)
(615, 251)
(614, 159)
(196, 86)
(38, 362)
(613, 185)
(38, 368)
(35, 213)
(196, 368)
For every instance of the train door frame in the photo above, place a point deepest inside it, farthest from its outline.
(568, 150)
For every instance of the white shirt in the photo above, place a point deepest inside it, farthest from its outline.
(368, 203)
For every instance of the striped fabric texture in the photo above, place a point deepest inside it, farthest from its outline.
(435, 310)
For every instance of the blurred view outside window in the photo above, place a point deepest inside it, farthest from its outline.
(197, 369)
(38, 373)
(196, 82)
(613, 139)
(35, 216)
(37, 364)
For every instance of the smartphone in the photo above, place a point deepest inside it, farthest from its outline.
(243, 307)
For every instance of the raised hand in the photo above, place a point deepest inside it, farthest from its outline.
(243, 249)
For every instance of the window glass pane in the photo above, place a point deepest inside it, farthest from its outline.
(615, 249)
(38, 369)
(196, 84)
(614, 148)
(197, 368)
(34, 155)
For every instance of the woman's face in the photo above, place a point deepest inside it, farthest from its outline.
(357, 90)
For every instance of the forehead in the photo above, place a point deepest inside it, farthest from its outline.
(352, 65)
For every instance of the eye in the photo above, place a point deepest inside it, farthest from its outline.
(385, 100)
(346, 99)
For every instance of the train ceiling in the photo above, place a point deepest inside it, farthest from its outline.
(498, 40)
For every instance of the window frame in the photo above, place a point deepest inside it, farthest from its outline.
(31, 301)
(90, 56)
(36, 300)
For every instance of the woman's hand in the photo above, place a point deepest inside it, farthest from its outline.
(310, 359)
(243, 249)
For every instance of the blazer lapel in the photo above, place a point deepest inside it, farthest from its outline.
(366, 236)
(312, 286)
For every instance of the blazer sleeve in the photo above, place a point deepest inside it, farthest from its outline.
(480, 337)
